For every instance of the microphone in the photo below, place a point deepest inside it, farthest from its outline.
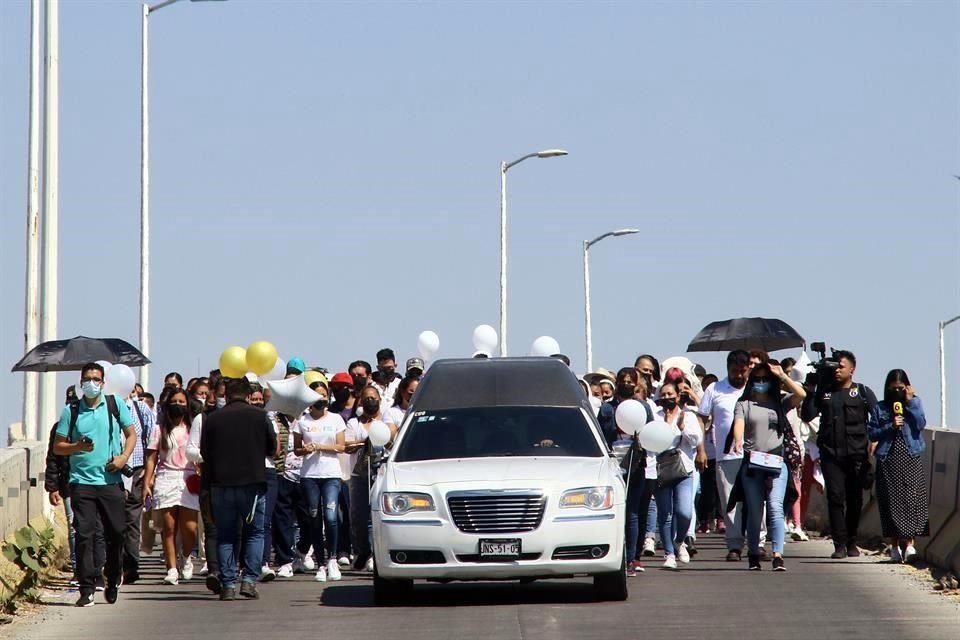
(898, 408)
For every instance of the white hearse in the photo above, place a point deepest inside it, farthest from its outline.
(499, 472)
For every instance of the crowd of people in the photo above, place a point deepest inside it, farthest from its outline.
(243, 495)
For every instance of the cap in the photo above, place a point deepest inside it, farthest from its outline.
(296, 365)
(483, 355)
(699, 371)
(415, 363)
(342, 378)
(600, 375)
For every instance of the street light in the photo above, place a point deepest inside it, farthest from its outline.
(586, 284)
(145, 185)
(943, 375)
(504, 166)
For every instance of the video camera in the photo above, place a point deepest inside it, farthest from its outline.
(821, 379)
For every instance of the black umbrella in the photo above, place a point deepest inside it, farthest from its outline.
(71, 355)
(747, 333)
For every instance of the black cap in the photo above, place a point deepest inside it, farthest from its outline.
(699, 371)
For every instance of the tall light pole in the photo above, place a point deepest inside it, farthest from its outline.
(504, 167)
(145, 184)
(943, 375)
(31, 321)
(51, 200)
(586, 285)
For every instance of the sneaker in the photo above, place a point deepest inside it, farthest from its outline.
(369, 566)
(285, 571)
(111, 593)
(691, 543)
(778, 564)
(789, 528)
(172, 577)
(344, 560)
(267, 574)
(910, 554)
(248, 589)
(632, 569)
(721, 527)
(799, 535)
(649, 547)
(86, 600)
(333, 570)
(213, 584)
(186, 573)
(702, 527)
(100, 584)
(754, 560)
(228, 593)
(204, 570)
(839, 551)
(131, 577)
(853, 551)
(670, 561)
(308, 563)
(298, 565)
(895, 556)
(74, 581)
(734, 556)
(683, 555)
(321, 575)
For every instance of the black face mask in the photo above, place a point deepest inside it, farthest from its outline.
(259, 405)
(668, 403)
(321, 405)
(385, 375)
(898, 395)
(359, 382)
(176, 411)
(371, 406)
(341, 394)
(626, 390)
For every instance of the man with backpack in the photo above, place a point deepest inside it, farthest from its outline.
(843, 409)
(98, 436)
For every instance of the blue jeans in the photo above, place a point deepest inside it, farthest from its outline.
(71, 535)
(239, 509)
(651, 519)
(757, 491)
(323, 502)
(638, 502)
(674, 512)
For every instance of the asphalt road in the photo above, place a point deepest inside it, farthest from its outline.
(708, 599)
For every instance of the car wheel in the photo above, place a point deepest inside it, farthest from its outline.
(387, 592)
(612, 587)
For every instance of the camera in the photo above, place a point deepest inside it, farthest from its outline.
(821, 379)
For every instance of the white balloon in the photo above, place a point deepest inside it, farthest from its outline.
(657, 436)
(544, 346)
(252, 377)
(290, 397)
(485, 338)
(631, 416)
(428, 343)
(106, 365)
(119, 380)
(379, 433)
(277, 373)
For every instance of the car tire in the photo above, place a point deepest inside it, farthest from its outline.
(388, 592)
(612, 587)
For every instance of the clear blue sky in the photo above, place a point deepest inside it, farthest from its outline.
(325, 176)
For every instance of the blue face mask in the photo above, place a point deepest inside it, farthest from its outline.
(221, 403)
(761, 387)
(91, 389)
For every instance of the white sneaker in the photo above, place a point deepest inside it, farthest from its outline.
(298, 565)
(333, 570)
(910, 554)
(369, 565)
(172, 577)
(267, 574)
(649, 547)
(321, 575)
(789, 529)
(308, 563)
(285, 571)
(683, 555)
(203, 570)
(670, 562)
(344, 561)
(799, 535)
(895, 555)
(187, 570)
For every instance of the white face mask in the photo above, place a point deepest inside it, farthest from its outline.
(221, 403)
(595, 402)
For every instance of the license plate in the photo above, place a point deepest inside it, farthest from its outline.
(500, 549)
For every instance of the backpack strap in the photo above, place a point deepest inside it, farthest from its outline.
(113, 413)
(74, 414)
(144, 436)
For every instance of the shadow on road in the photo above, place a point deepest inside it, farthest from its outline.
(462, 595)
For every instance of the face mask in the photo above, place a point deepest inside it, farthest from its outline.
(257, 404)
(595, 402)
(371, 406)
(387, 374)
(200, 399)
(626, 390)
(761, 387)
(668, 403)
(176, 411)
(221, 403)
(899, 395)
(91, 389)
(321, 405)
(359, 382)
(341, 395)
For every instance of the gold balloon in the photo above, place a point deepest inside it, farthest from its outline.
(233, 362)
(314, 376)
(261, 357)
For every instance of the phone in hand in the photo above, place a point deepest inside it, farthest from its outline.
(86, 440)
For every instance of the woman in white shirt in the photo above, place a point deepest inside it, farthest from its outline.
(318, 436)
(401, 402)
(357, 430)
(675, 499)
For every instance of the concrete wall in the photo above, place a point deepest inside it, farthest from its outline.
(942, 470)
(22, 498)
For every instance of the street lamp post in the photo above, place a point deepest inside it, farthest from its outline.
(145, 184)
(504, 167)
(943, 375)
(586, 285)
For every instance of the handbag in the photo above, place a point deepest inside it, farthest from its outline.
(670, 468)
(765, 463)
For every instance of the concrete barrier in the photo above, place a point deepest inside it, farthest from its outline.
(13, 505)
(32, 484)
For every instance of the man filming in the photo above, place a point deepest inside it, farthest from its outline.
(843, 406)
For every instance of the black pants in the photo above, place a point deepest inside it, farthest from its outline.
(344, 540)
(133, 508)
(844, 496)
(707, 507)
(289, 512)
(92, 504)
(209, 532)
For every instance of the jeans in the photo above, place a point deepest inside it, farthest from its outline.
(759, 490)
(651, 522)
(209, 531)
(323, 503)
(674, 513)
(71, 535)
(694, 492)
(133, 507)
(638, 504)
(289, 511)
(844, 496)
(239, 509)
(344, 533)
(95, 505)
(360, 524)
(707, 508)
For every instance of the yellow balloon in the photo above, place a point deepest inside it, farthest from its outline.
(261, 357)
(314, 376)
(233, 362)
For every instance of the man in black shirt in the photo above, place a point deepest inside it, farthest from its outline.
(843, 443)
(234, 444)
